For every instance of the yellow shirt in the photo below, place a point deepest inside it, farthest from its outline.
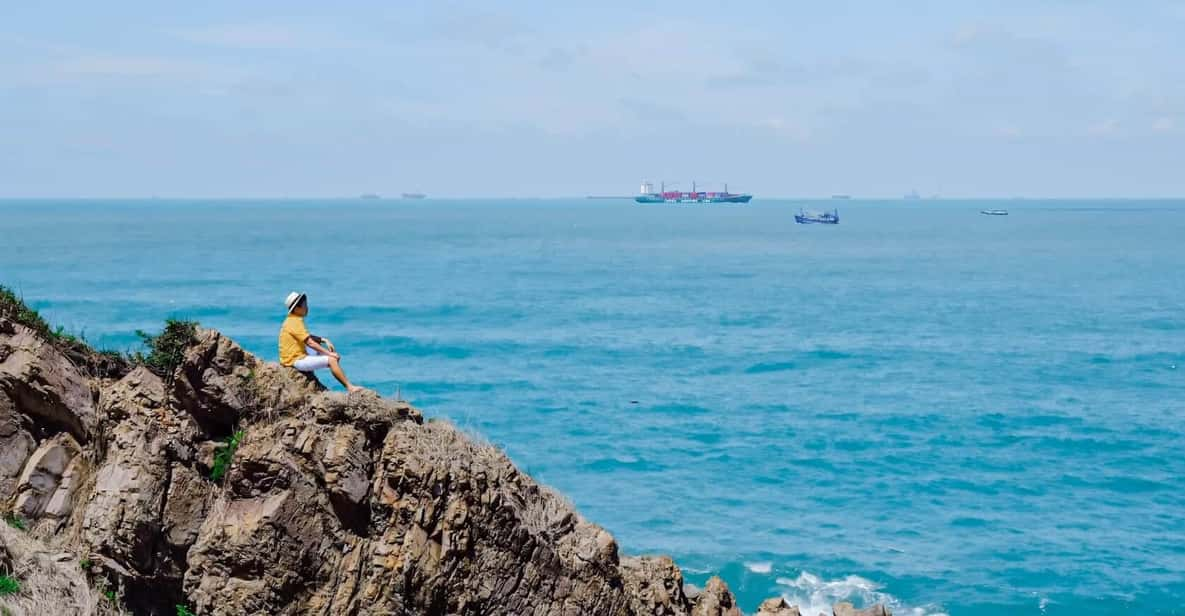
(292, 338)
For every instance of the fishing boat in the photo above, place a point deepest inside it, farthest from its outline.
(647, 194)
(804, 217)
(994, 212)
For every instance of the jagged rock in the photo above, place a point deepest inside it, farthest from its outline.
(186, 504)
(43, 384)
(716, 600)
(123, 515)
(218, 383)
(42, 475)
(847, 609)
(655, 585)
(61, 502)
(777, 606)
(122, 518)
(347, 474)
(334, 504)
(16, 444)
(139, 392)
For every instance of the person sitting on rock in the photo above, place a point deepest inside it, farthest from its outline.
(301, 350)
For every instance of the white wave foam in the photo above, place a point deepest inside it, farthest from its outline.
(814, 595)
(762, 568)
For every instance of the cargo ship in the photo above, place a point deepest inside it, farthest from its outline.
(647, 194)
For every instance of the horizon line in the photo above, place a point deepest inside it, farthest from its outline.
(587, 198)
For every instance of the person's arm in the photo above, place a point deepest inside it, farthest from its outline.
(314, 342)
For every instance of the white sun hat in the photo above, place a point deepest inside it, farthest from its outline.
(292, 300)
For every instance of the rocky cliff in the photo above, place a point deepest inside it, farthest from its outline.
(228, 485)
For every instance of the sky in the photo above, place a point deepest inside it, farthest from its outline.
(1053, 98)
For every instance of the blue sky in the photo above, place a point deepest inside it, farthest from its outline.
(271, 99)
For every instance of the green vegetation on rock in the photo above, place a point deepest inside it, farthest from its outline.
(9, 585)
(15, 521)
(225, 455)
(166, 348)
(12, 306)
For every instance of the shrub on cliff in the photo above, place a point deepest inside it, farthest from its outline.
(102, 363)
(15, 308)
(166, 348)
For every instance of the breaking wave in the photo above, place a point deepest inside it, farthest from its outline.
(815, 595)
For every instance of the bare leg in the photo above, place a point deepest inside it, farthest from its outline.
(336, 368)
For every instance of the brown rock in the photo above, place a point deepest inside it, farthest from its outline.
(777, 606)
(42, 475)
(122, 519)
(715, 600)
(847, 609)
(655, 585)
(16, 445)
(43, 384)
(334, 504)
(61, 502)
(186, 504)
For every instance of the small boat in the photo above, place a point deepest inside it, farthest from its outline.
(817, 218)
(994, 212)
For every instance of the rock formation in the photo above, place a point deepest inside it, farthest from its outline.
(846, 609)
(331, 503)
(777, 607)
(230, 486)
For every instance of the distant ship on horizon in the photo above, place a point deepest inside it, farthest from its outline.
(414, 196)
(804, 217)
(369, 196)
(647, 194)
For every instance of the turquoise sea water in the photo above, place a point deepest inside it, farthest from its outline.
(951, 412)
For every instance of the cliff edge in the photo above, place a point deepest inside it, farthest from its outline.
(230, 485)
(214, 483)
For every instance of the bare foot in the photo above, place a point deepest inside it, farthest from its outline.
(354, 388)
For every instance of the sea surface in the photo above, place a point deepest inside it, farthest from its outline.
(954, 413)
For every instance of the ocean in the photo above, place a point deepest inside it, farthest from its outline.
(949, 412)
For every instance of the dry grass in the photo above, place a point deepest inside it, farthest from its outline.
(440, 444)
(51, 582)
(543, 510)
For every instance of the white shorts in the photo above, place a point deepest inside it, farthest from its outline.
(312, 361)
